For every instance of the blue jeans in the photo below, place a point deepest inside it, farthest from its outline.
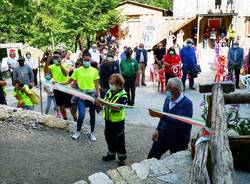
(25, 107)
(49, 100)
(82, 104)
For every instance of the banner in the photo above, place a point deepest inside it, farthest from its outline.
(70, 90)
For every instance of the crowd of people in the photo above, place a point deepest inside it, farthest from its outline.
(103, 73)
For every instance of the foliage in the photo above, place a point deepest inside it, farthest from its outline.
(43, 23)
(234, 121)
(166, 4)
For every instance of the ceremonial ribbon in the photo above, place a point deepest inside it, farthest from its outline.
(191, 121)
(70, 90)
(82, 95)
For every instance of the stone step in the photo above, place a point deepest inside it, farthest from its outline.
(99, 178)
(128, 175)
(116, 177)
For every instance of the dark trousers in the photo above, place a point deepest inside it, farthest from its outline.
(167, 76)
(82, 104)
(35, 77)
(130, 88)
(115, 138)
(237, 75)
(167, 141)
(188, 69)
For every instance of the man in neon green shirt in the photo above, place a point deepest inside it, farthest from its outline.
(87, 79)
(59, 73)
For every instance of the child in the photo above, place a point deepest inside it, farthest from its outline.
(23, 94)
(115, 119)
(2, 90)
(50, 98)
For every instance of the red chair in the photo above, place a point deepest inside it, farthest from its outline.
(153, 73)
(161, 80)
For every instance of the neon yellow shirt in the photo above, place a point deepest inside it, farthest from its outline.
(57, 73)
(85, 77)
(24, 97)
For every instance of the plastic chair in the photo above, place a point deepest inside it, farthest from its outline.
(161, 80)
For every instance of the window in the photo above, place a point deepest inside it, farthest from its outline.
(248, 27)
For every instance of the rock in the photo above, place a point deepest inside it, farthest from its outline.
(99, 178)
(141, 170)
(116, 177)
(128, 175)
(81, 182)
(169, 178)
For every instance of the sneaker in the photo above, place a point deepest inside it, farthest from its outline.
(108, 158)
(143, 84)
(76, 135)
(92, 136)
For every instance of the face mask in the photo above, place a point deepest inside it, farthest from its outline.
(223, 45)
(168, 94)
(171, 53)
(86, 64)
(235, 46)
(189, 45)
(28, 56)
(47, 77)
(94, 49)
(140, 48)
(113, 87)
(55, 62)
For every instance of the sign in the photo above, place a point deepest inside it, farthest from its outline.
(10, 45)
(149, 36)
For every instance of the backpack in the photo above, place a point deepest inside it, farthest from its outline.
(34, 97)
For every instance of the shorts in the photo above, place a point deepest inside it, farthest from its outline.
(62, 99)
(230, 1)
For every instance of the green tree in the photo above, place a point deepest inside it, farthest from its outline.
(166, 4)
(43, 23)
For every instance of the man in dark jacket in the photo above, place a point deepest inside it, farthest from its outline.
(141, 56)
(235, 61)
(172, 134)
(189, 61)
(106, 69)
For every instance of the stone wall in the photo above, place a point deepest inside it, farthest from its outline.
(170, 170)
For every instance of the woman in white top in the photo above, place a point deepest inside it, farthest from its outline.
(170, 39)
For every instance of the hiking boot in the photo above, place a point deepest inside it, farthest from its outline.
(108, 158)
(121, 163)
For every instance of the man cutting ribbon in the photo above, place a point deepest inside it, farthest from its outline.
(172, 134)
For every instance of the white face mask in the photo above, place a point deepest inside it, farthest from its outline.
(113, 87)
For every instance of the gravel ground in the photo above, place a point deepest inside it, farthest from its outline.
(51, 156)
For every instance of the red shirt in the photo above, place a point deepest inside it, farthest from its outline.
(172, 60)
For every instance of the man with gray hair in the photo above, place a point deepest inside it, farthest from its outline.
(172, 134)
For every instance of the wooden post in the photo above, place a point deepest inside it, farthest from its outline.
(222, 160)
(199, 170)
(236, 98)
